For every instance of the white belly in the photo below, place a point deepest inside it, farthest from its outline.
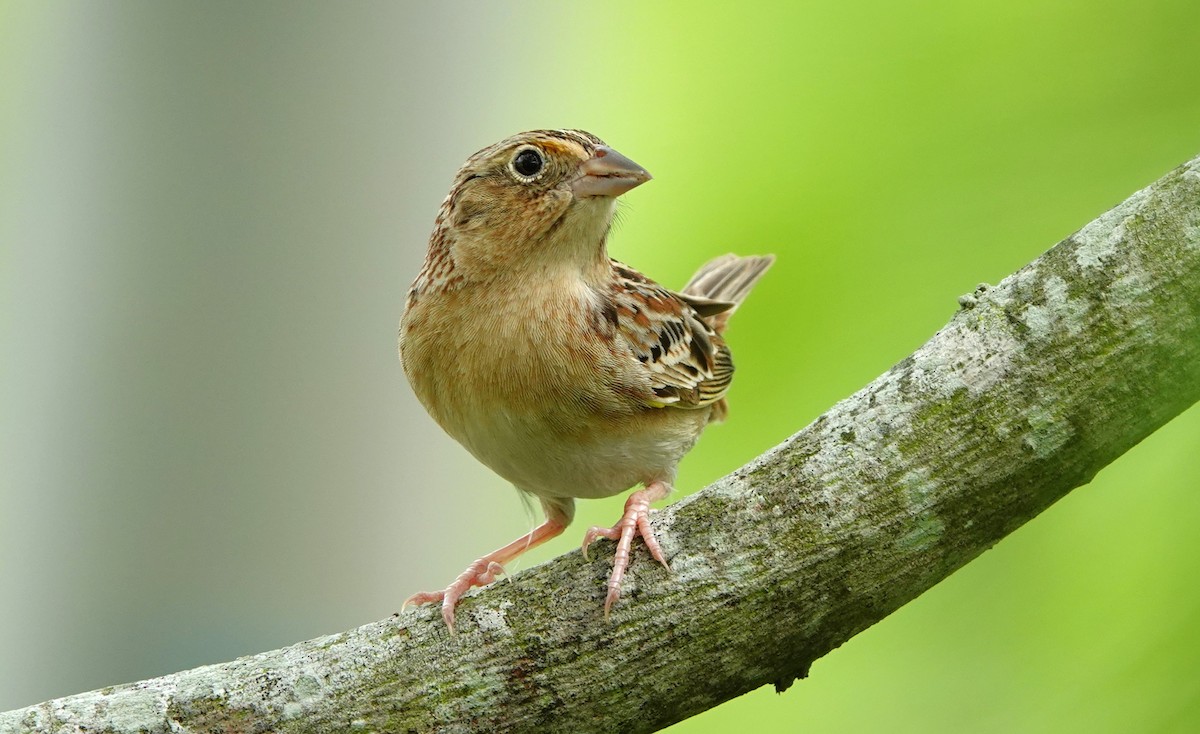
(600, 457)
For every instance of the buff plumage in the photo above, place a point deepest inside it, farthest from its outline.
(565, 372)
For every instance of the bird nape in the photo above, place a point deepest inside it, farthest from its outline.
(565, 372)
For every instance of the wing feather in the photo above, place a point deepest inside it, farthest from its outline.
(685, 361)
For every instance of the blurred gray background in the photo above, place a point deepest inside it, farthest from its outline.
(209, 216)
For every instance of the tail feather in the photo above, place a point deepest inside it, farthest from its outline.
(728, 279)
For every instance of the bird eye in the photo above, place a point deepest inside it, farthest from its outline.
(527, 163)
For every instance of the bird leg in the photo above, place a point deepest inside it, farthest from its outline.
(635, 521)
(484, 570)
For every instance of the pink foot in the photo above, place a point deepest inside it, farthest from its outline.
(480, 573)
(635, 521)
(484, 571)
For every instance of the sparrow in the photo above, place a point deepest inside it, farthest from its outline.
(566, 372)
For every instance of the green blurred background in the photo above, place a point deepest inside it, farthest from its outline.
(209, 214)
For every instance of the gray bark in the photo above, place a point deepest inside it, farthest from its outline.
(1032, 387)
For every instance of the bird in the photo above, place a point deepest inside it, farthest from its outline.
(569, 374)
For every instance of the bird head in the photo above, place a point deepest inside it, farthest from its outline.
(540, 199)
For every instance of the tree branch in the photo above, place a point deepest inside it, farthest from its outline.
(1033, 387)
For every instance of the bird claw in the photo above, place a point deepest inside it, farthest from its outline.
(634, 522)
(480, 573)
(484, 571)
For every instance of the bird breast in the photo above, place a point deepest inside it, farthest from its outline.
(535, 389)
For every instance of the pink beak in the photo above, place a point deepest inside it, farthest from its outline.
(607, 173)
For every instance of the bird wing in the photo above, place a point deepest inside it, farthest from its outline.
(685, 361)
